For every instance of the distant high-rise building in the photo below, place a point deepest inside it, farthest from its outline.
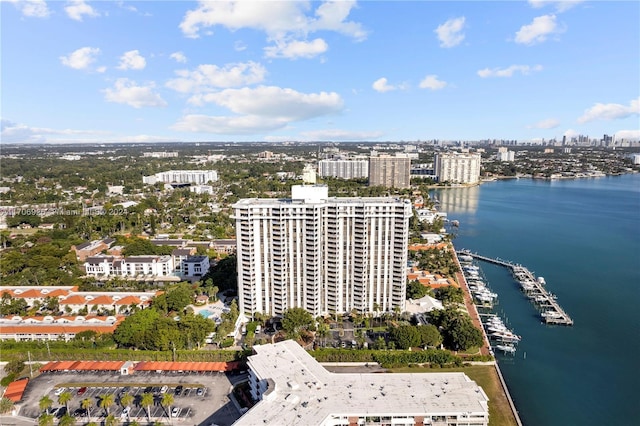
(344, 169)
(506, 156)
(456, 167)
(390, 171)
(325, 255)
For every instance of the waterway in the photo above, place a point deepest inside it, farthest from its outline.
(583, 237)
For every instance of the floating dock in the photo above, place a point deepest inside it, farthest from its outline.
(533, 288)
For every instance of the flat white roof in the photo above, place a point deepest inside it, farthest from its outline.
(302, 392)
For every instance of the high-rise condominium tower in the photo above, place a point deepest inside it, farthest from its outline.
(390, 171)
(457, 167)
(326, 255)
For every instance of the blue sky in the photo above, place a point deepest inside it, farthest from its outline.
(120, 71)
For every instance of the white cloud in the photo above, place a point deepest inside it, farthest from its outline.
(239, 46)
(81, 59)
(570, 133)
(560, 6)
(238, 125)
(261, 109)
(450, 33)
(207, 77)
(508, 72)
(15, 132)
(340, 135)
(32, 8)
(610, 111)
(332, 15)
(128, 92)
(179, 57)
(538, 30)
(431, 82)
(296, 49)
(277, 19)
(132, 60)
(272, 101)
(627, 135)
(549, 123)
(381, 85)
(76, 9)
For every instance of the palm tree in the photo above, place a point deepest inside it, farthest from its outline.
(167, 400)
(45, 419)
(134, 423)
(110, 420)
(67, 420)
(86, 404)
(126, 400)
(6, 405)
(45, 403)
(106, 401)
(64, 398)
(147, 401)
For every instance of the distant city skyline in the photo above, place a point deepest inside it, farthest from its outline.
(380, 71)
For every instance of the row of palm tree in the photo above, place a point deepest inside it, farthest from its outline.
(106, 401)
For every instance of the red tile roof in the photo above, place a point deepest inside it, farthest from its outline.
(15, 390)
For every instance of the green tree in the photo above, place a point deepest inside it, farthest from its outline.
(46, 419)
(64, 398)
(405, 336)
(146, 400)
(167, 400)
(450, 294)
(296, 319)
(45, 403)
(110, 420)
(86, 404)
(126, 400)
(429, 335)
(14, 367)
(67, 420)
(415, 290)
(6, 405)
(106, 401)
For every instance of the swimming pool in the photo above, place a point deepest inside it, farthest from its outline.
(205, 313)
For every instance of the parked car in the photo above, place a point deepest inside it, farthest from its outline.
(164, 389)
(178, 390)
(200, 391)
(175, 411)
(59, 391)
(82, 390)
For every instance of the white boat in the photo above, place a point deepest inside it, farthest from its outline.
(505, 336)
(506, 348)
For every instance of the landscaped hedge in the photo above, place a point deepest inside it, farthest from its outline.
(390, 359)
(57, 354)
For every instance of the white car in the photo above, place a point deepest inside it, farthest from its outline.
(59, 391)
(175, 411)
(164, 389)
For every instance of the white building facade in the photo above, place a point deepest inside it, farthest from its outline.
(457, 167)
(132, 266)
(293, 389)
(198, 177)
(344, 169)
(326, 255)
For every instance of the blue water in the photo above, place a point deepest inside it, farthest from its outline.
(205, 313)
(583, 237)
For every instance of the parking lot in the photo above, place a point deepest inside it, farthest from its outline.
(198, 399)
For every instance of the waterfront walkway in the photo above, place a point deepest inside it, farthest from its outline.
(552, 312)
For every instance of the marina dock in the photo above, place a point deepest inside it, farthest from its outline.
(534, 288)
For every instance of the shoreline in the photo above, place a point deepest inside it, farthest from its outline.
(475, 317)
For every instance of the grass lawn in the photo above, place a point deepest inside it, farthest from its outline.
(486, 376)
